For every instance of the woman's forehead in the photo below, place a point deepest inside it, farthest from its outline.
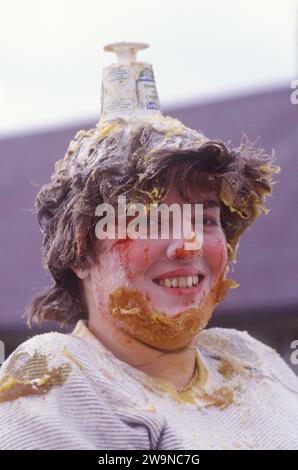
(204, 196)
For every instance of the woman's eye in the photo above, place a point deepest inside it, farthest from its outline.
(209, 221)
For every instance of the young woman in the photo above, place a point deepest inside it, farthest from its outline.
(139, 370)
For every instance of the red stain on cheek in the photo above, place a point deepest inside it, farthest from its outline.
(120, 242)
(136, 255)
(216, 254)
(133, 255)
(146, 254)
(219, 252)
(122, 248)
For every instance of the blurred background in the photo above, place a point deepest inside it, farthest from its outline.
(223, 67)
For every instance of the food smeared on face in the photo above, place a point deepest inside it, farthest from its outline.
(132, 313)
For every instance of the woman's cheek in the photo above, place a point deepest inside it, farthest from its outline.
(215, 251)
(137, 255)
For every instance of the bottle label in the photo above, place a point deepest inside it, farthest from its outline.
(128, 89)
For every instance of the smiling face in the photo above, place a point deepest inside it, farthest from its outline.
(164, 270)
(154, 289)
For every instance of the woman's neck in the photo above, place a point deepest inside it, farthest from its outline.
(176, 366)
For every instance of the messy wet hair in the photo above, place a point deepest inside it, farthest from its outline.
(135, 159)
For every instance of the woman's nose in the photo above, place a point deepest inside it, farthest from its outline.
(181, 249)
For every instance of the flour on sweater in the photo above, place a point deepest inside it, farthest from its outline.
(68, 391)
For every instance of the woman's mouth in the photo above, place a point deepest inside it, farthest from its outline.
(179, 285)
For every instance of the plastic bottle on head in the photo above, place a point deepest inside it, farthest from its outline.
(128, 86)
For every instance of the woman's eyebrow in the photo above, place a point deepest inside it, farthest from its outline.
(208, 203)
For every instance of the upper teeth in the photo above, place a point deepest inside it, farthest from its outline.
(183, 281)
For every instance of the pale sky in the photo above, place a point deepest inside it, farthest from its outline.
(52, 57)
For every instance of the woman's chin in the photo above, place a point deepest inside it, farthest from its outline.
(171, 304)
(173, 308)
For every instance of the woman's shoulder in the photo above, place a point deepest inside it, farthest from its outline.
(240, 348)
(232, 341)
(46, 345)
(37, 365)
(49, 399)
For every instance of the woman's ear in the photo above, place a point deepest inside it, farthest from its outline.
(81, 273)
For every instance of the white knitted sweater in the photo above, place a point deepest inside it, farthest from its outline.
(61, 391)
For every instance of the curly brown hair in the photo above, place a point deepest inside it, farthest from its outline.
(134, 158)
